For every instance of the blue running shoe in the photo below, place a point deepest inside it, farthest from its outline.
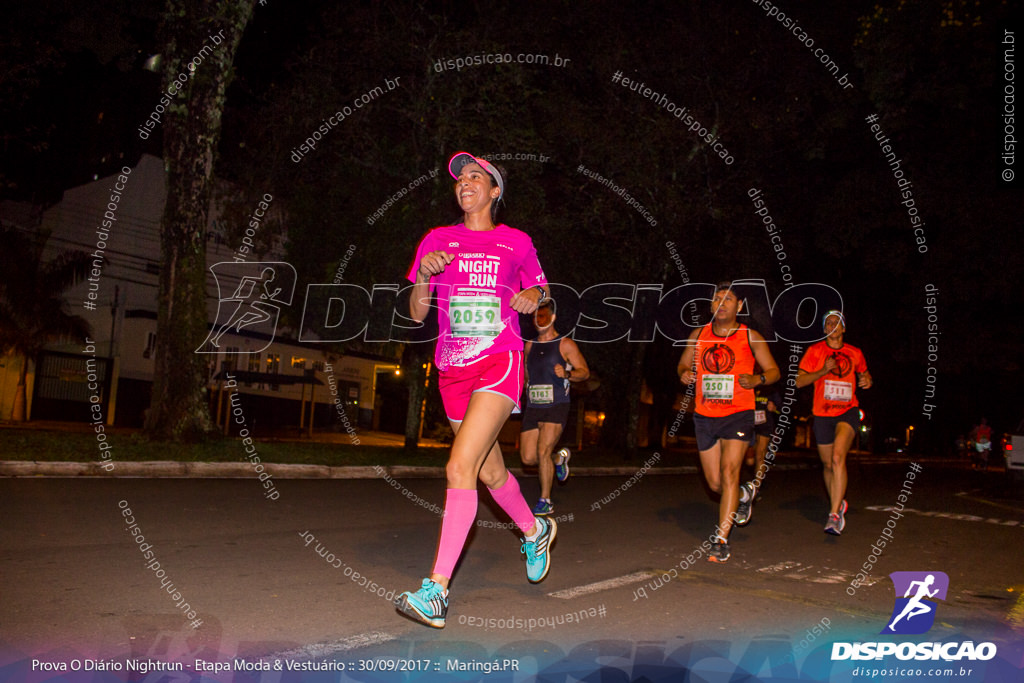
(562, 465)
(544, 506)
(429, 604)
(538, 552)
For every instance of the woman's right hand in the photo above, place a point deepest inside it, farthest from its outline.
(434, 263)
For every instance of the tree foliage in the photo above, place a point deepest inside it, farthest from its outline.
(927, 69)
(33, 312)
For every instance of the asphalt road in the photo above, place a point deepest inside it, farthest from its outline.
(75, 583)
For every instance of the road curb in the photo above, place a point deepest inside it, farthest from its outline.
(168, 469)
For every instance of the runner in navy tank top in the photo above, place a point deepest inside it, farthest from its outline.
(553, 362)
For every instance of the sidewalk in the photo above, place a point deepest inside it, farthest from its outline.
(789, 460)
(243, 470)
(366, 437)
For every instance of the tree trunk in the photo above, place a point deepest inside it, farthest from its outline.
(201, 37)
(635, 383)
(413, 359)
(19, 409)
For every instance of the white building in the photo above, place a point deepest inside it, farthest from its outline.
(117, 220)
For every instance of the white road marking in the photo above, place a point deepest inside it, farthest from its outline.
(787, 569)
(801, 572)
(778, 567)
(968, 496)
(608, 584)
(947, 515)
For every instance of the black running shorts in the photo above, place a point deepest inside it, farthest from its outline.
(556, 413)
(738, 426)
(825, 427)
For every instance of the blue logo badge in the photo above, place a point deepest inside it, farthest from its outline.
(914, 612)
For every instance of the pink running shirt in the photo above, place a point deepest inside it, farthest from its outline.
(474, 291)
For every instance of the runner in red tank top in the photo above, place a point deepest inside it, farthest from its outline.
(836, 369)
(720, 357)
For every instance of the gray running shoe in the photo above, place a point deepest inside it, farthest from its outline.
(745, 510)
(719, 552)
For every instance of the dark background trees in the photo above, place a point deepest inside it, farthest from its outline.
(928, 70)
(32, 309)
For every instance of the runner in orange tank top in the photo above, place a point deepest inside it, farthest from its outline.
(719, 358)
(836, 369)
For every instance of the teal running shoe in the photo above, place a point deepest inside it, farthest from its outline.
(429, 604)
(538, 552)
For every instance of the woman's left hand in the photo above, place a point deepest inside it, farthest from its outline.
(525, 301)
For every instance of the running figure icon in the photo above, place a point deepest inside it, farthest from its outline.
(250, 308)
(916, 600)
(915, 606)
(250, 297)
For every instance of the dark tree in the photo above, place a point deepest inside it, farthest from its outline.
(32, 307)
(192, 127)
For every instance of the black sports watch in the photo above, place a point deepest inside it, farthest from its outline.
(543, 292)
(764, 380)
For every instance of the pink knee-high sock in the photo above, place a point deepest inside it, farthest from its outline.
(459, 513)
(510, 499)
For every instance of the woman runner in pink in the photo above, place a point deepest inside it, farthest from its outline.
(483, 275)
